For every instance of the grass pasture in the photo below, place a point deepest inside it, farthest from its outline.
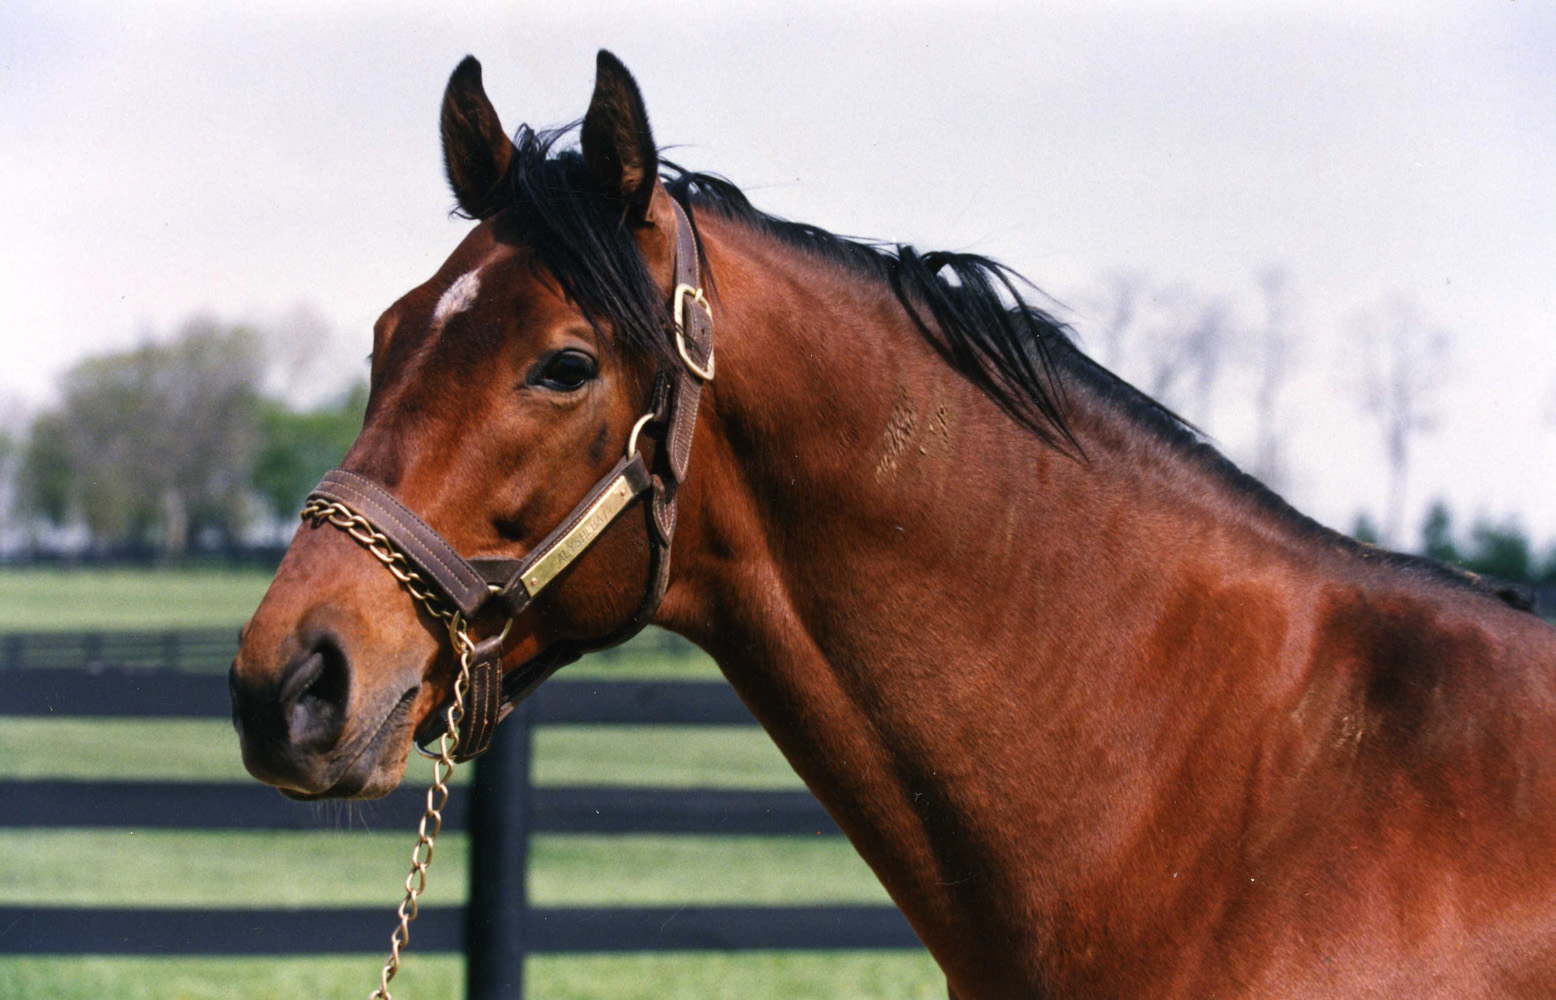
(682, 976)
(50, 599)
(349, 867)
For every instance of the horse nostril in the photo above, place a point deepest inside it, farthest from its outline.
(314, 693)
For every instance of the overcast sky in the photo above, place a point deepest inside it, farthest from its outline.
(223, 159)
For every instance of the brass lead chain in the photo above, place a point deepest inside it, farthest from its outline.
(432, 817)
(431, 823)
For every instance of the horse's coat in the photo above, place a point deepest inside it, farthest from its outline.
(1106, 717)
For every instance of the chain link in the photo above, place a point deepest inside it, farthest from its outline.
(319, 511)
(383, 550)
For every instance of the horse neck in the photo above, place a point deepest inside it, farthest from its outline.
(958, 636)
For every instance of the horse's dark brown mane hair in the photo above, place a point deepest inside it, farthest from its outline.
(971, 308)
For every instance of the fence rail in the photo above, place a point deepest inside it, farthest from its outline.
(202, 649)
(121, 692)
(43, 930)
(151, 805)
(197, 650)
(501, 809)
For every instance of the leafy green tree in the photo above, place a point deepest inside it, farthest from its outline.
(10, 458)
(1365, 530)
(296, 448)
(152, 445)
(1547, 575)
(46, 473)
(1437, 534)
(1502, 551)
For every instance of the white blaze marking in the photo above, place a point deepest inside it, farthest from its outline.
(459, 297)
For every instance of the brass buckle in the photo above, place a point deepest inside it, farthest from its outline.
(704, 372)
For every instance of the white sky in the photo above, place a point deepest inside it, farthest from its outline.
(210, 157)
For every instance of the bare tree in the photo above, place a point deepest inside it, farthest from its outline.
(1120, 302)
(308, 362)
(1274, 361)
(1170, 342)
(1404, 364)
(1185, 346)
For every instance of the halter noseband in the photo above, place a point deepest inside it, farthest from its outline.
(467, 587)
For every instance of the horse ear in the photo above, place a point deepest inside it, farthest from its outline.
(476, 150)
(617, 143)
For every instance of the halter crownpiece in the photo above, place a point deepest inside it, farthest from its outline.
(438, 576)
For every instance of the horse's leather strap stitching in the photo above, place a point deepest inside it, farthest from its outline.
(483, 701)
(471, 585)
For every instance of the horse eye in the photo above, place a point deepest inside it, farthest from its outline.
(566, 371)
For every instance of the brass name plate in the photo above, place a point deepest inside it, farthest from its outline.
(589, 527)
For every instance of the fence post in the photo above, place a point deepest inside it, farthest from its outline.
(496, 915)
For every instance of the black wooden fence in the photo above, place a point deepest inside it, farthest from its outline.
(501, 809)
(204, 649)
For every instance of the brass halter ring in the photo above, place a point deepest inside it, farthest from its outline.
(637, 428)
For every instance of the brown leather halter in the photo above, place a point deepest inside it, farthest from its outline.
(476, 586)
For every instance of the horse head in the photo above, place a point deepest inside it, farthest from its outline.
(502, 390)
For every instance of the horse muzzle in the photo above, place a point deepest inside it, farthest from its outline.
(295, 728)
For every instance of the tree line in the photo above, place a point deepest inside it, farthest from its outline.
(1503, 551)
(1181, 344)
(172, 447)
(175, 446)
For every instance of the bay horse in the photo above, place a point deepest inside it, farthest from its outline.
(1107, 718)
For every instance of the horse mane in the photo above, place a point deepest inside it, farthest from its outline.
(969, 307)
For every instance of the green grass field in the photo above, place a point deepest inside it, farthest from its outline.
(206, 749)
(349, 867)
(62, 600)
(683, 976)
(79, 600)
